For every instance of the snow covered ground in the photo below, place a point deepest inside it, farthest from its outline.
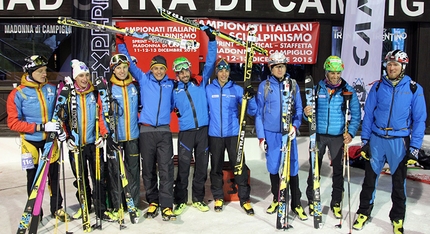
(233, 219)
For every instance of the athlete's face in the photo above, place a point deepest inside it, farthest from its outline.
(184, 75)
(333, 77)
(279, 71)
(159, 71)
(393, 69)
(82, 80)
(40, 74)
(121, 71)
(222, 76)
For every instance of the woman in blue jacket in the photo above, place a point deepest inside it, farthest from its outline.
(268, 123)
(224, 97)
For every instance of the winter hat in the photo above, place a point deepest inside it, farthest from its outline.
(78, 68)
(220, 64)
(158, 60)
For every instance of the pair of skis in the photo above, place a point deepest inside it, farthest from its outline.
(313, 149)
(110, 113)
(282, 221)
(171, 41)
(78, 159)
(31, 214)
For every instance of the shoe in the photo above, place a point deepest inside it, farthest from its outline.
(201, 206)
(61, 215)
(78, 214)
(110, 216)
(300, 213)
(152, 211)
(337, 211)
(247, 207)
(397, 226)
(360, 221)
(311, 209)
(272, 208)
(168, 214)
(179, 208)
(219, 203)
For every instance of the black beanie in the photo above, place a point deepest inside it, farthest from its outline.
(158, 59)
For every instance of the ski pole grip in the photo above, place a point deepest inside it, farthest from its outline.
(347, 95)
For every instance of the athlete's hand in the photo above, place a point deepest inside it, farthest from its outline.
(347, 138)
(308, 110)
(292, 133)
(51, 127)
(263, 145)
(365, 149)
(208, 30)
(61, 135)
(99, 142)
(250, 92)
(71, 144)
(120, 38)
(412, 156)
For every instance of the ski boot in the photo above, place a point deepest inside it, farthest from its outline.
(272, 208)
(247, 207)
(152, 211)
(179, 208)
(397, 226)
(219, 204)
(168, 214)
(337, 211)
(298, 210)
(201, 206)
(360, 221)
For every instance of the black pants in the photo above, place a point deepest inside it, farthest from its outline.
(335, 146)
(157, 151)
(89, 164)
(189, 141)
(295, 192)
(130, 151)
(217, 146)
(56, 199)
(398, 197)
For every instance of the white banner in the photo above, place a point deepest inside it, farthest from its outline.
(362, 44)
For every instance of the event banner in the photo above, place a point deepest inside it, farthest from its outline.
(298, 41)
(362, 43)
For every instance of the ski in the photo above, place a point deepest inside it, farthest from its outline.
(284, 170)
(252, 29)
(34, 201)
(110, 112)
(192, 23)
(313, 149)
(171, 41)
(79, 166)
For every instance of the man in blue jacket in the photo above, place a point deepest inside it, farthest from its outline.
(155, 139)
(224, 98)
(392, 131)
(191, 105)
(330, 123)
(268, 123)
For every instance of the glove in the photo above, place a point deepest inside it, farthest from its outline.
(99, 143)
(250, 92)
(292, 133)
(412, 156)
(61, 135)
(71, 144)
(120, 38)
(365, 150)
(111, 144)
(51, 127)
(263, 145)
(208, 30)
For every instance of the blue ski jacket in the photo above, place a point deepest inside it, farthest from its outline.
(269, 112)
(224, 108)
(87, 110)
(395, 111)
(30, 104)
(190, 98)
(126, 94)
(330, 110)
(156, 96)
